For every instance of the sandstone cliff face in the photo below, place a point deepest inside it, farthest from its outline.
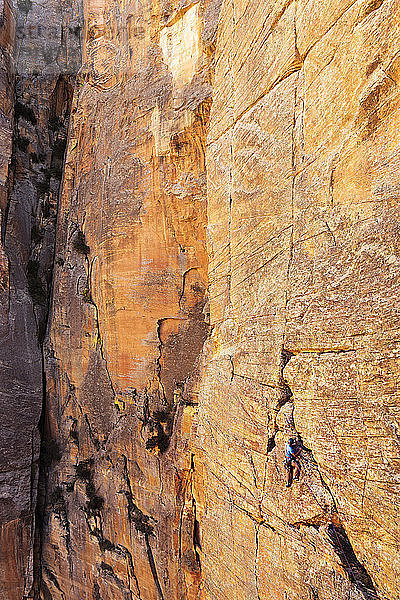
(40, 52)
(129, 315)
(304, 273)
(15, 450)
(226, 271)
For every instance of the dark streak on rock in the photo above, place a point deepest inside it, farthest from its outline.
(142, 524)
(96, 591)
(152, 565)
(51, 577)
(59, 507)
(354, 569)
(356, 572)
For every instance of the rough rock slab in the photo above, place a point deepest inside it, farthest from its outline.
(225, 275)
(302, 180)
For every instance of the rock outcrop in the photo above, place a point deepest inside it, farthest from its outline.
(224, 274)
(40, 53)
(129, 315)
(304, 273)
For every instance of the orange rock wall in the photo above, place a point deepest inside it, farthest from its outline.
(226, 271)
(302, 156)
(129, 314)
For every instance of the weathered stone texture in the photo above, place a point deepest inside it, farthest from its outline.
(129, 316)
(34, 107)
(226, 274)
(302, 207)
(16, 384)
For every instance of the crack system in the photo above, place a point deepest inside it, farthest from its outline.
(329, 518)
(142, 524)
(46, 184)
(356, 572)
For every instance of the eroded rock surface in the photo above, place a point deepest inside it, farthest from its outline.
(38, 62)
(129, 315)
(226, 270)
(304, 273)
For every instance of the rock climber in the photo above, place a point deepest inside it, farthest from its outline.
(292, 465)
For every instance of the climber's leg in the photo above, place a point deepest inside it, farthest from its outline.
(289, 474)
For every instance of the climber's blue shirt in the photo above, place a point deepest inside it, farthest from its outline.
(289, 452)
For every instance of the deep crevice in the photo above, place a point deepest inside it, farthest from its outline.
(39, 283)
(152, 565)
(354, 569)
(142, 524)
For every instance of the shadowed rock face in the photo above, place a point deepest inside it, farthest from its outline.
(224, 273)
(39, 58)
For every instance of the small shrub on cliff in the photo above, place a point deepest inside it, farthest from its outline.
(160, 441)
(86, 295)
(57, 502)
(105, 567)
(162, 415)
(142, 522)
(83, 470)
(95, 502)
(105, 544)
